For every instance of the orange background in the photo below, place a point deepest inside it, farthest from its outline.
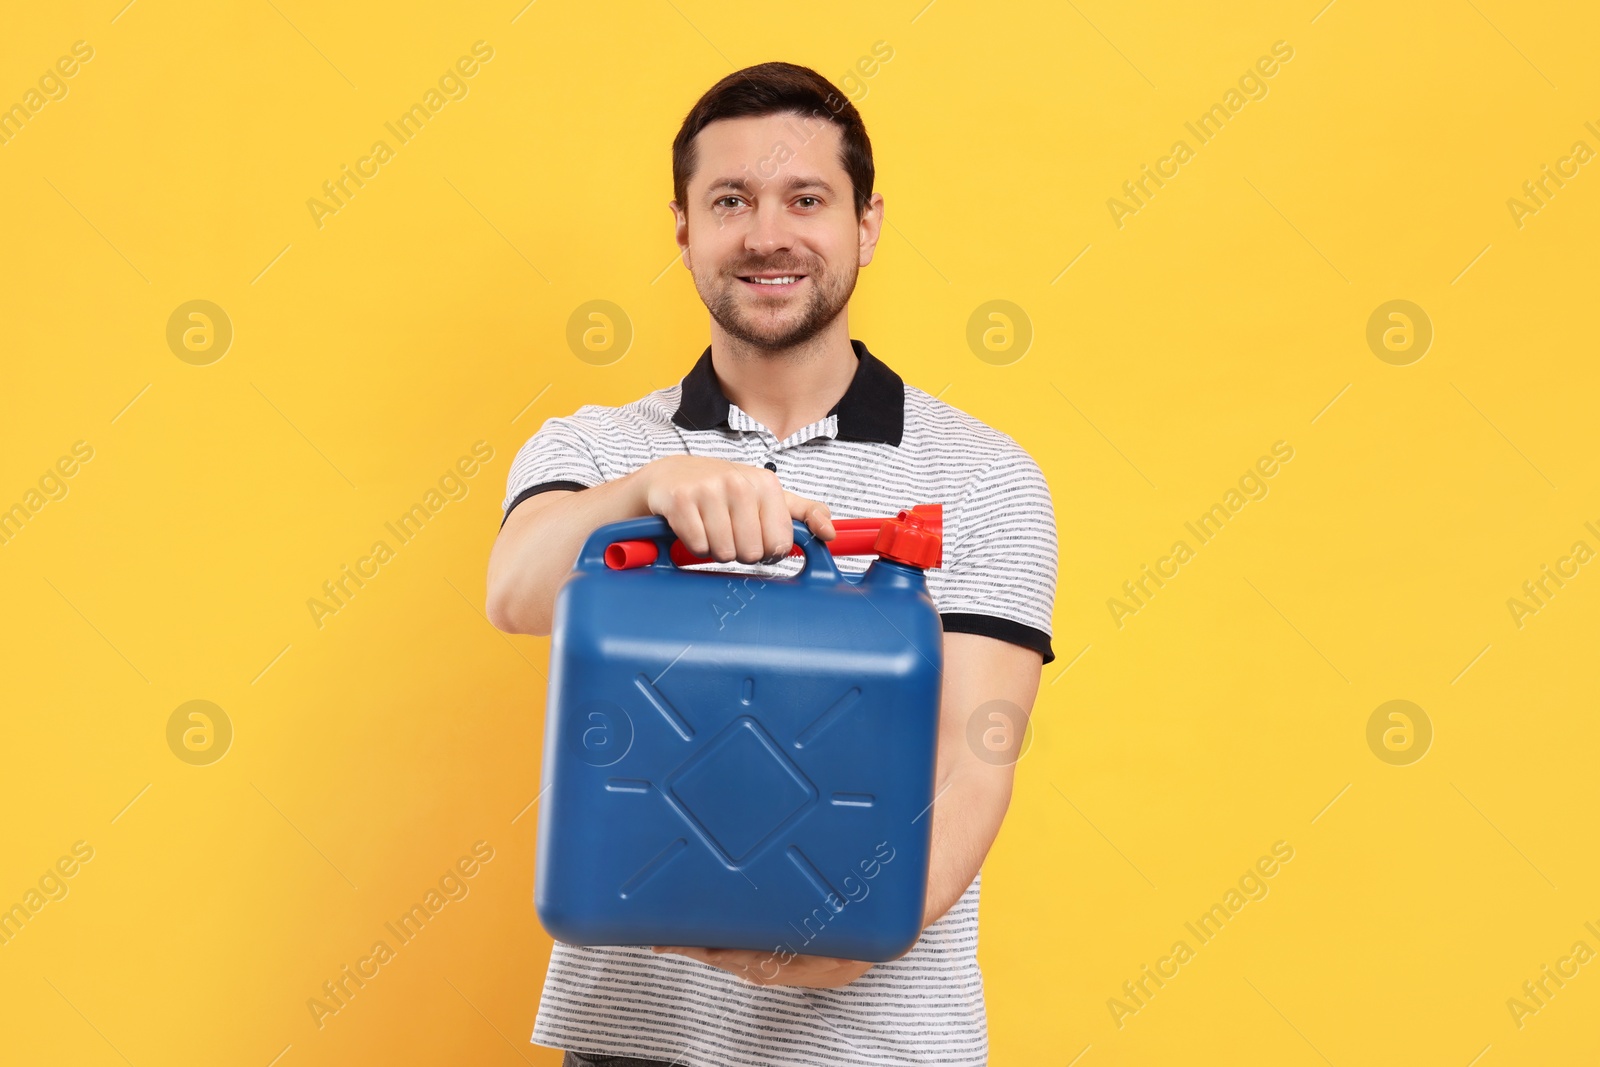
(1165, 355)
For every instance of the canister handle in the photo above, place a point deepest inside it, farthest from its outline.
(819, 567)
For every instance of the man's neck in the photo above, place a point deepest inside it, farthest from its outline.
(785, 389)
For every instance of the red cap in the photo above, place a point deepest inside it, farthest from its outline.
(913, 537)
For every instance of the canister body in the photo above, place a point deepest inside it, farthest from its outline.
(740, 762)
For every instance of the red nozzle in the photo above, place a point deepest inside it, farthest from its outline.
(915, 537)
(852, 537)
(626, 555)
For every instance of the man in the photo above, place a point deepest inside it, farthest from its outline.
(784, 417)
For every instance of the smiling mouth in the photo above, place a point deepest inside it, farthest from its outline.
(776, 283)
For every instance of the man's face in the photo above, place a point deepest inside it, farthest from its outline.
(770, 228)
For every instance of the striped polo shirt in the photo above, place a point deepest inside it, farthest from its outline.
(884, 446)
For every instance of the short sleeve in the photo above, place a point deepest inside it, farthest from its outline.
(558, 456)
(1001, 556)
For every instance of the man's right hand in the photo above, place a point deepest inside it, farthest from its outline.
(720, 510)
(728, 511)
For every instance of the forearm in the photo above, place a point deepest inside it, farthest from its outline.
(966, 821)
(540, 542)
(972, 789)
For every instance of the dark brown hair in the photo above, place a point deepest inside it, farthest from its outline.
(775, 88)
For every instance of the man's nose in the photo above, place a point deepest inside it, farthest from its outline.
(771, 230)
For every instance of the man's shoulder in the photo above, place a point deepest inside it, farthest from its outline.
(936, 425)
(651, 411)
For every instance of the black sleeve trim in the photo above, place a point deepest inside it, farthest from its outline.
(533, 489)
(1002, 629)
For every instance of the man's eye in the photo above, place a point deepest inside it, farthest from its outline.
(813, 199)
(721, 200)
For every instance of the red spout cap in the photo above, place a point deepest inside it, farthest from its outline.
(915, 537)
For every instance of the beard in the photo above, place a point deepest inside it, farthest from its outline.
(763, 325)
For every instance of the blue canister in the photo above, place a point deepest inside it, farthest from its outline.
(734, 761)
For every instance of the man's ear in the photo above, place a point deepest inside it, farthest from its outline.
(680, 229)
(870, 227)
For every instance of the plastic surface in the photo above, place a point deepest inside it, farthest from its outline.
(738, 762)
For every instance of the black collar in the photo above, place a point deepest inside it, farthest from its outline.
(872, 408)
